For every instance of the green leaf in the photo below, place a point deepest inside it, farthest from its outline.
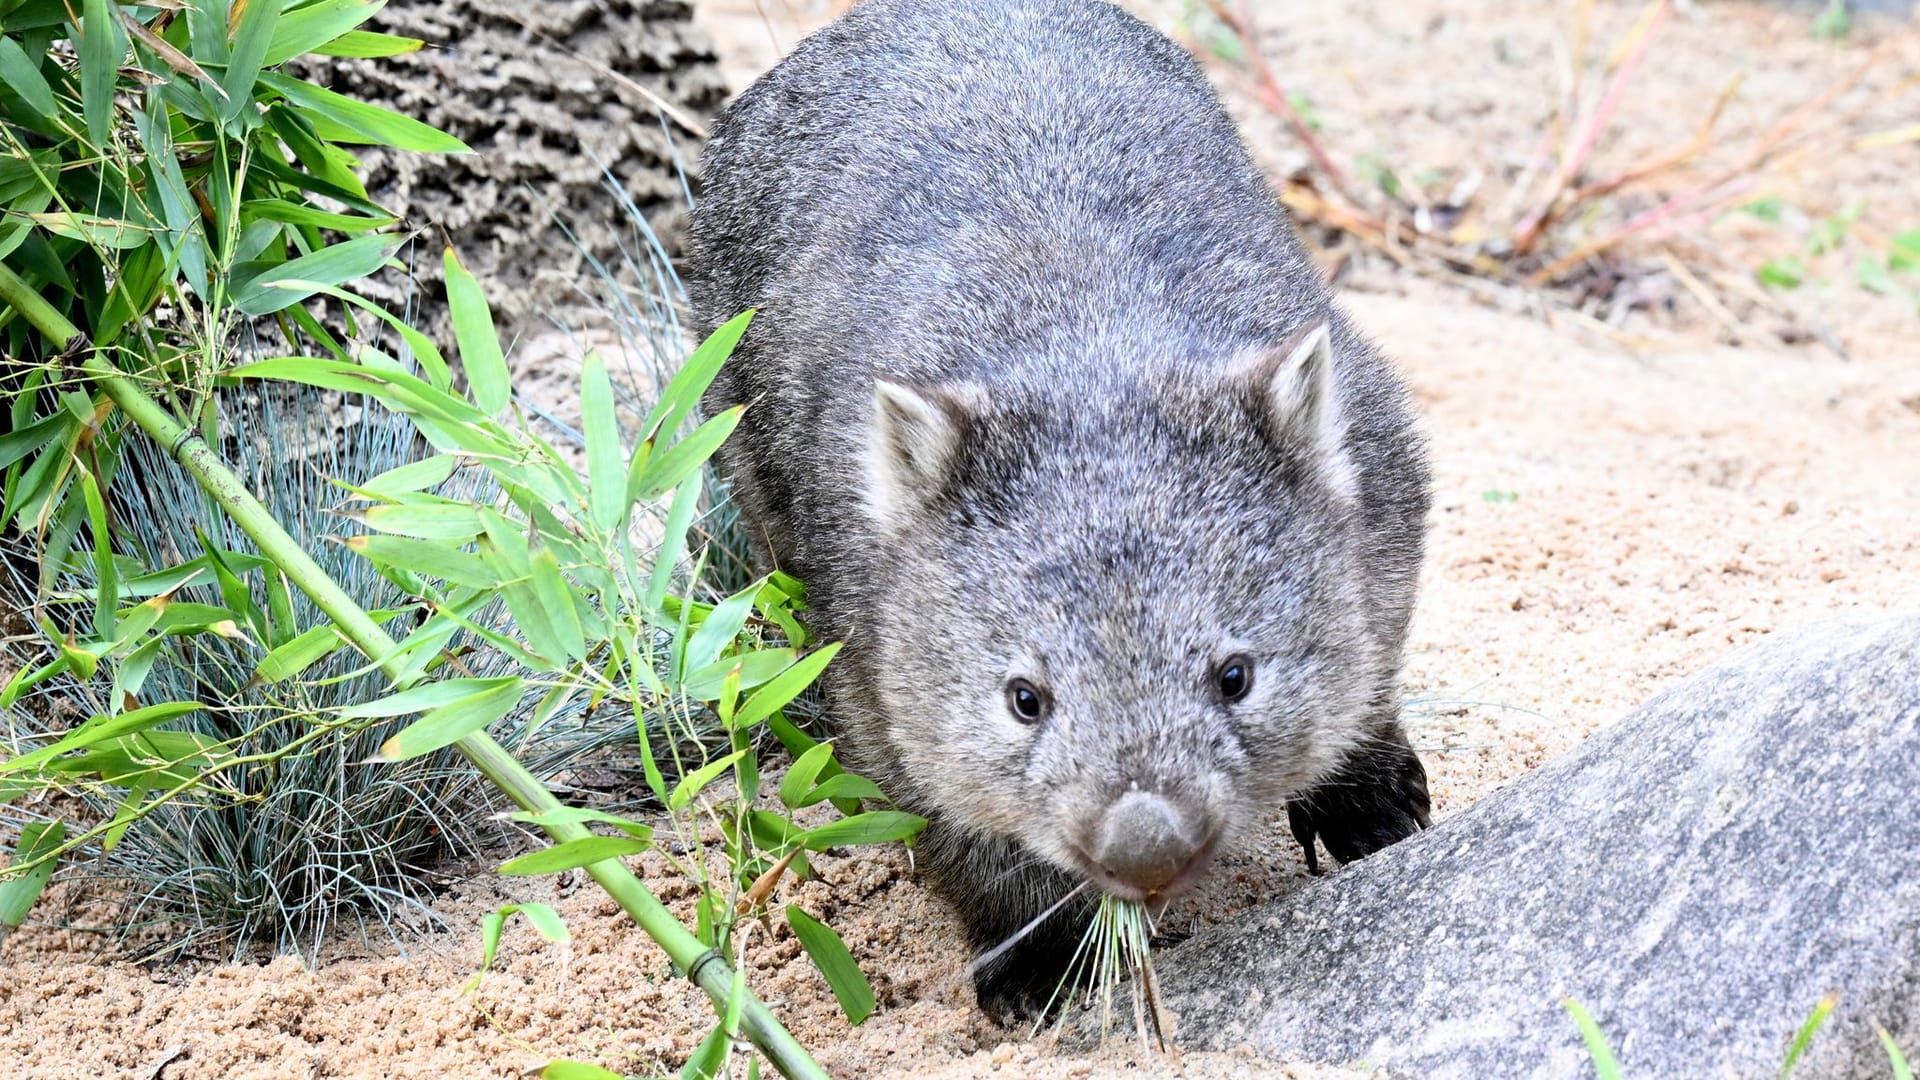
(580, 815)
(446, 520)
(421, 698)
(22, 75)
(673, 540)
(1804, 1038)
(572, 854)
(664, 472)
(1905, 256)
(16, 445)
(100, 729)
(1605, 1065)
(1784, 273)
(479, 343)
(273, 288)
(556, 597)
(606, 463)
(426, 558)
(545, 921)
(306, 29)
(250, 41)
(454, 721)
(18, 894)
(873, 827)
(297, 655)
(782, 689)
(836, 964)
(709, 1060)
(683, 391)
(1896, 1061)
(368, 45)
(841, 786)
(755, 668)
(369, 123)
(718, 630)
(414, 476)
(804, 772)
(690, 784)
(293, 213)
(102, 45)
(1872, 275)
(577, 1070)
(113, 234)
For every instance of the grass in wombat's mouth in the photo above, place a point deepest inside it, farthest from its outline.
(1115, 952)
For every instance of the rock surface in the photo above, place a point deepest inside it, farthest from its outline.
(546, 96)
(1699, 875)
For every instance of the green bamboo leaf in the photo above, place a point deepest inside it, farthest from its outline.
(873, 827)
(580, 815)
(102, 46)
(425, 521)
(16, 445)
(100, 729)
(682, 393)
(606, 463)
(427, 558)
(577, 1070)
(306, 29)
(718, 629)
(802, 774)
(396, 390)
(573, 854)
(22, 75)
(114, 234)
(664, 472)
(293, 213)
(673, 540)
(297, 655)
(841, 786)
(369, 123)
(556, 597)
(106, 574)
(452, 722)
(414, 476)
(709, 1060)
(835, 963)
(250, 41)
(479, 343)
(263, 293)
(421, 698)
(755, 668)
(18, 894)
(690, 784)
(368, 45)
(782, 689)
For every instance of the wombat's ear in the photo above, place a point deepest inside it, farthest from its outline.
(915, 439)
(1297, 404)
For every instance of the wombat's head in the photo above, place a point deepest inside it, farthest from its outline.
(1120, 616)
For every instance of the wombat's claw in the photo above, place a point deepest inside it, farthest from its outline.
(1374, 801)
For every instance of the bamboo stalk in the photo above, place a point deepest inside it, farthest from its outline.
(706, 967)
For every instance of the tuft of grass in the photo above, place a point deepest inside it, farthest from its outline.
(1607, 1066)
(1115, 959)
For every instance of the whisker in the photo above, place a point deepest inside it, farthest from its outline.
(980, 962)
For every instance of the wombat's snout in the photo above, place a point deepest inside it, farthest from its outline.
(1150, 845)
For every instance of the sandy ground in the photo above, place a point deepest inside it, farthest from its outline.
(1606, 521)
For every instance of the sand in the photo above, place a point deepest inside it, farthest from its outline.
(1606, 521)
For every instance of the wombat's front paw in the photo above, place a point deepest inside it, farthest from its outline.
(1378, 798)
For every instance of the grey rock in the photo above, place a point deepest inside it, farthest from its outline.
(1698, 876)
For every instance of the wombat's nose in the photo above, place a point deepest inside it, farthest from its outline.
(1148, 841)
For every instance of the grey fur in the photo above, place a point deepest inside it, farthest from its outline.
(1035, 222)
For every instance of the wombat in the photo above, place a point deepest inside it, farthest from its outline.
(1118, 515)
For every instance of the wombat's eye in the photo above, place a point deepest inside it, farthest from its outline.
(1029, 705)
(1236, 678)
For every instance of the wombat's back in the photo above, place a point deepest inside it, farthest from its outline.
(936, 189)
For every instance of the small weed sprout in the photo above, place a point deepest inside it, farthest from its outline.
(1607, 1066)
